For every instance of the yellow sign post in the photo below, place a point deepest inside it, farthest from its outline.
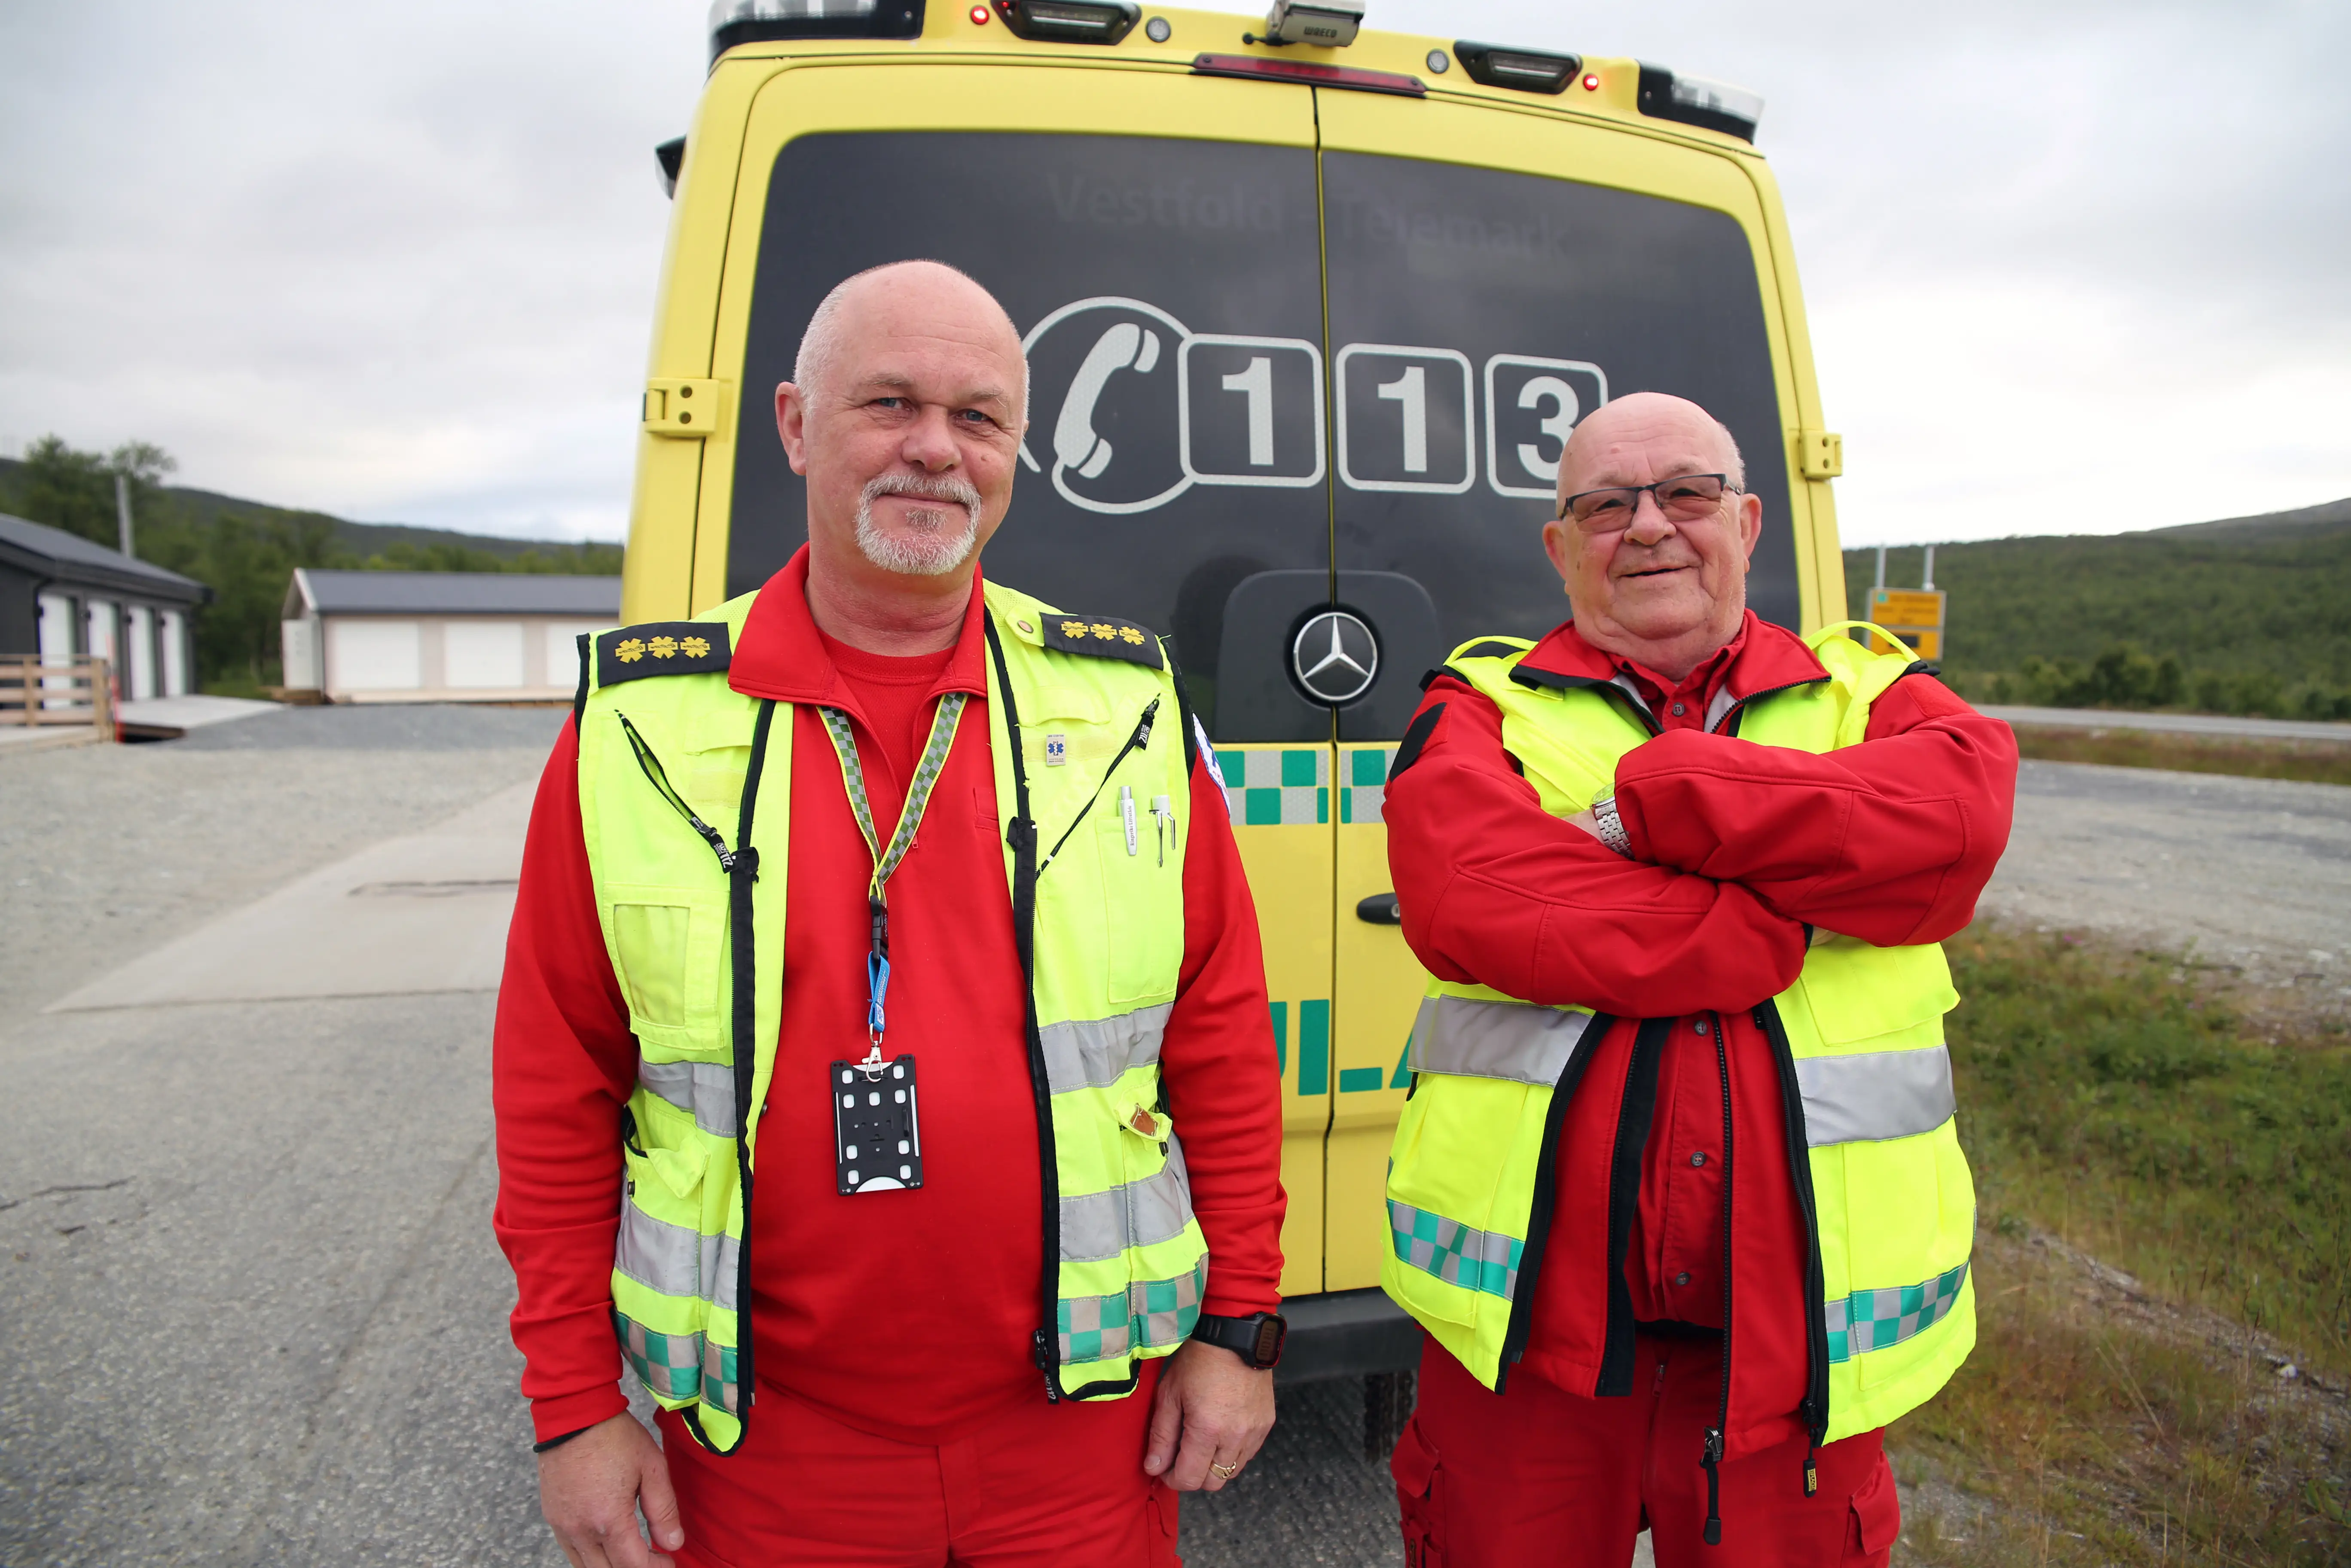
(1913, 615)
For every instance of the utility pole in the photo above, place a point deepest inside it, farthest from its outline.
(123, 509)
(1927, 586)
(1881, 566)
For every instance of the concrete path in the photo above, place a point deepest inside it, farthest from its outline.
(411, 917)
(2176, 723)
(162, 716)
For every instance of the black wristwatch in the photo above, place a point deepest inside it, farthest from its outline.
(1257, 1339)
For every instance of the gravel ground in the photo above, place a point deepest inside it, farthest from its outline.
(2248, 875)
(108, 851)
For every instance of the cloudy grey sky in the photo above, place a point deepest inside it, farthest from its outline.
(2071, 264)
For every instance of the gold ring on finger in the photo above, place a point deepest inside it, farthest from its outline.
(1225, 1472)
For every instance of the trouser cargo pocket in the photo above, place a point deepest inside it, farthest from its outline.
(1420, 1498)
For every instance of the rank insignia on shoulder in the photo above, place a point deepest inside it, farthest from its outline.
(661, 648)
(1102, 637)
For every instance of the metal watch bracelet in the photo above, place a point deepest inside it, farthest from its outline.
(1612, 826)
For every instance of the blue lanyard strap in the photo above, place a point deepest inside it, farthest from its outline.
(902, 838)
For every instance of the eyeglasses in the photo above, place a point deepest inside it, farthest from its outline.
(1685, 498)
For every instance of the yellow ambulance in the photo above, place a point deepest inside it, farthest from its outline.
(1310, 311)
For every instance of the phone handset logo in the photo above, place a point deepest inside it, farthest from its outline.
(1079, 447)
(1124, 347)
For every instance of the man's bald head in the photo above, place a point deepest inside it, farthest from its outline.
(1640, 418)
(905, 287)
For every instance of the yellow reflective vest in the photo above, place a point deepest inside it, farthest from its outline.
(685, 806)
(1888, 1203)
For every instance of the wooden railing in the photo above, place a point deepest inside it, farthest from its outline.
(73, 691)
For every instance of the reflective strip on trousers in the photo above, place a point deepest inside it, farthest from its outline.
(1874, 1096)
(1873, 1320)
(1099, 1226)
(1515, 1041)
(1472, 1259)
(674, 1260)
(1093, 1053)
(1146, 1315)
(703, 1089)
(681, 1365)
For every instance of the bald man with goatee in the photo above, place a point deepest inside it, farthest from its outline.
(910, 1134)
(1678, 1196)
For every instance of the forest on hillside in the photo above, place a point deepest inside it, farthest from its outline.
(245, 552)
(2219, 617)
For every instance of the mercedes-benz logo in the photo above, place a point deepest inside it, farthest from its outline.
(1334, 657)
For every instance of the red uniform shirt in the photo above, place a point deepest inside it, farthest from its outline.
(1739, 850)
(908, 1314)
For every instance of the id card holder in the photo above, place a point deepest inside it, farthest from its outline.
(877, 1139)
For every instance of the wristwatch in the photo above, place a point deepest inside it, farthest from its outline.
(1612, 826)
(1255, 1339)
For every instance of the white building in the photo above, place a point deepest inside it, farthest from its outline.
(64, 598)
(440, 636)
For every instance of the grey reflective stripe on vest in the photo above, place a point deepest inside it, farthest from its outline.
(1876, 1095)
(1516, 1040)
(1092, 1053)
(1456, 1253)
(1103, 1225)
(674, 1260)
(703, 1089)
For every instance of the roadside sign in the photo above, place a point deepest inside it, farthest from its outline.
(1915, 615)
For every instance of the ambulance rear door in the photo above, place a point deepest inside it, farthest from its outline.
(1155, 238)
(1493, 276)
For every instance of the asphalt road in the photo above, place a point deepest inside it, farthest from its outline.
(245, 1196)
(2178, 723)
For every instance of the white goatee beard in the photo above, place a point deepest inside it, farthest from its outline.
(934, 546)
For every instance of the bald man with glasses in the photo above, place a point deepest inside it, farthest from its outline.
(1677, 1195)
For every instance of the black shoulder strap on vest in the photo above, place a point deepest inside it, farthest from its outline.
(1020, 836)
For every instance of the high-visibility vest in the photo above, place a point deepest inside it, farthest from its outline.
(685, 805)
(1888, 1203)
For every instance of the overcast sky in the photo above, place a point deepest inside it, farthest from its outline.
(2071, 264)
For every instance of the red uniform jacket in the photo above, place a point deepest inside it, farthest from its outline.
(907, 1314)
(1674, 1203)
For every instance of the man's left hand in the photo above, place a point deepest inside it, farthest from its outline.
(1221, 1410)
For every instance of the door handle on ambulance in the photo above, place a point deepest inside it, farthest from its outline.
(1380, 909)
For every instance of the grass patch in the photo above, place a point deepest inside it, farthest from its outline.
(2088, 1429)
(2113, 1107)
(2314, 762)
(2107, 1099)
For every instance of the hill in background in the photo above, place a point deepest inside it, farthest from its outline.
(2241, 615)
(246, 551)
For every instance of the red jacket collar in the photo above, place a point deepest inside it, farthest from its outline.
(1767, 658)
(780, 655)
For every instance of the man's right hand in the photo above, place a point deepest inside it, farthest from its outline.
(589, 1489)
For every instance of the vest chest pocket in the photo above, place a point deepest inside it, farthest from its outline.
(1143, 925)
(669, 949)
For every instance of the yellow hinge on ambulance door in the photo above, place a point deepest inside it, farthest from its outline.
(1819, 454)
(688, 409)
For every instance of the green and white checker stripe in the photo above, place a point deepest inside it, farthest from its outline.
(1364, 784)
(1277, 786)
(1873, 1320)
(1147, 1313)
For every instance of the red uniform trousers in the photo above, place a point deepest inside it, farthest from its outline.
(1537, 1476)
(1035, 1486)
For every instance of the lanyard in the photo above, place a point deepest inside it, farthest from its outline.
(902, 838)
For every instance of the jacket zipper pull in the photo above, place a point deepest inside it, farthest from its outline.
(1712, 1464)
(1143, 730)
(1813, 1467)
(1041, 1351)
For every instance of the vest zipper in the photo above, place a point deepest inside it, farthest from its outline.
(1135, 742)
(1516, 1332)
(1728, 723)
(1815, 1406)
(1714, 1439)
(1634, 1121)
(1020, 836)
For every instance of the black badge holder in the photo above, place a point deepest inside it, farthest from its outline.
(877, 1129)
